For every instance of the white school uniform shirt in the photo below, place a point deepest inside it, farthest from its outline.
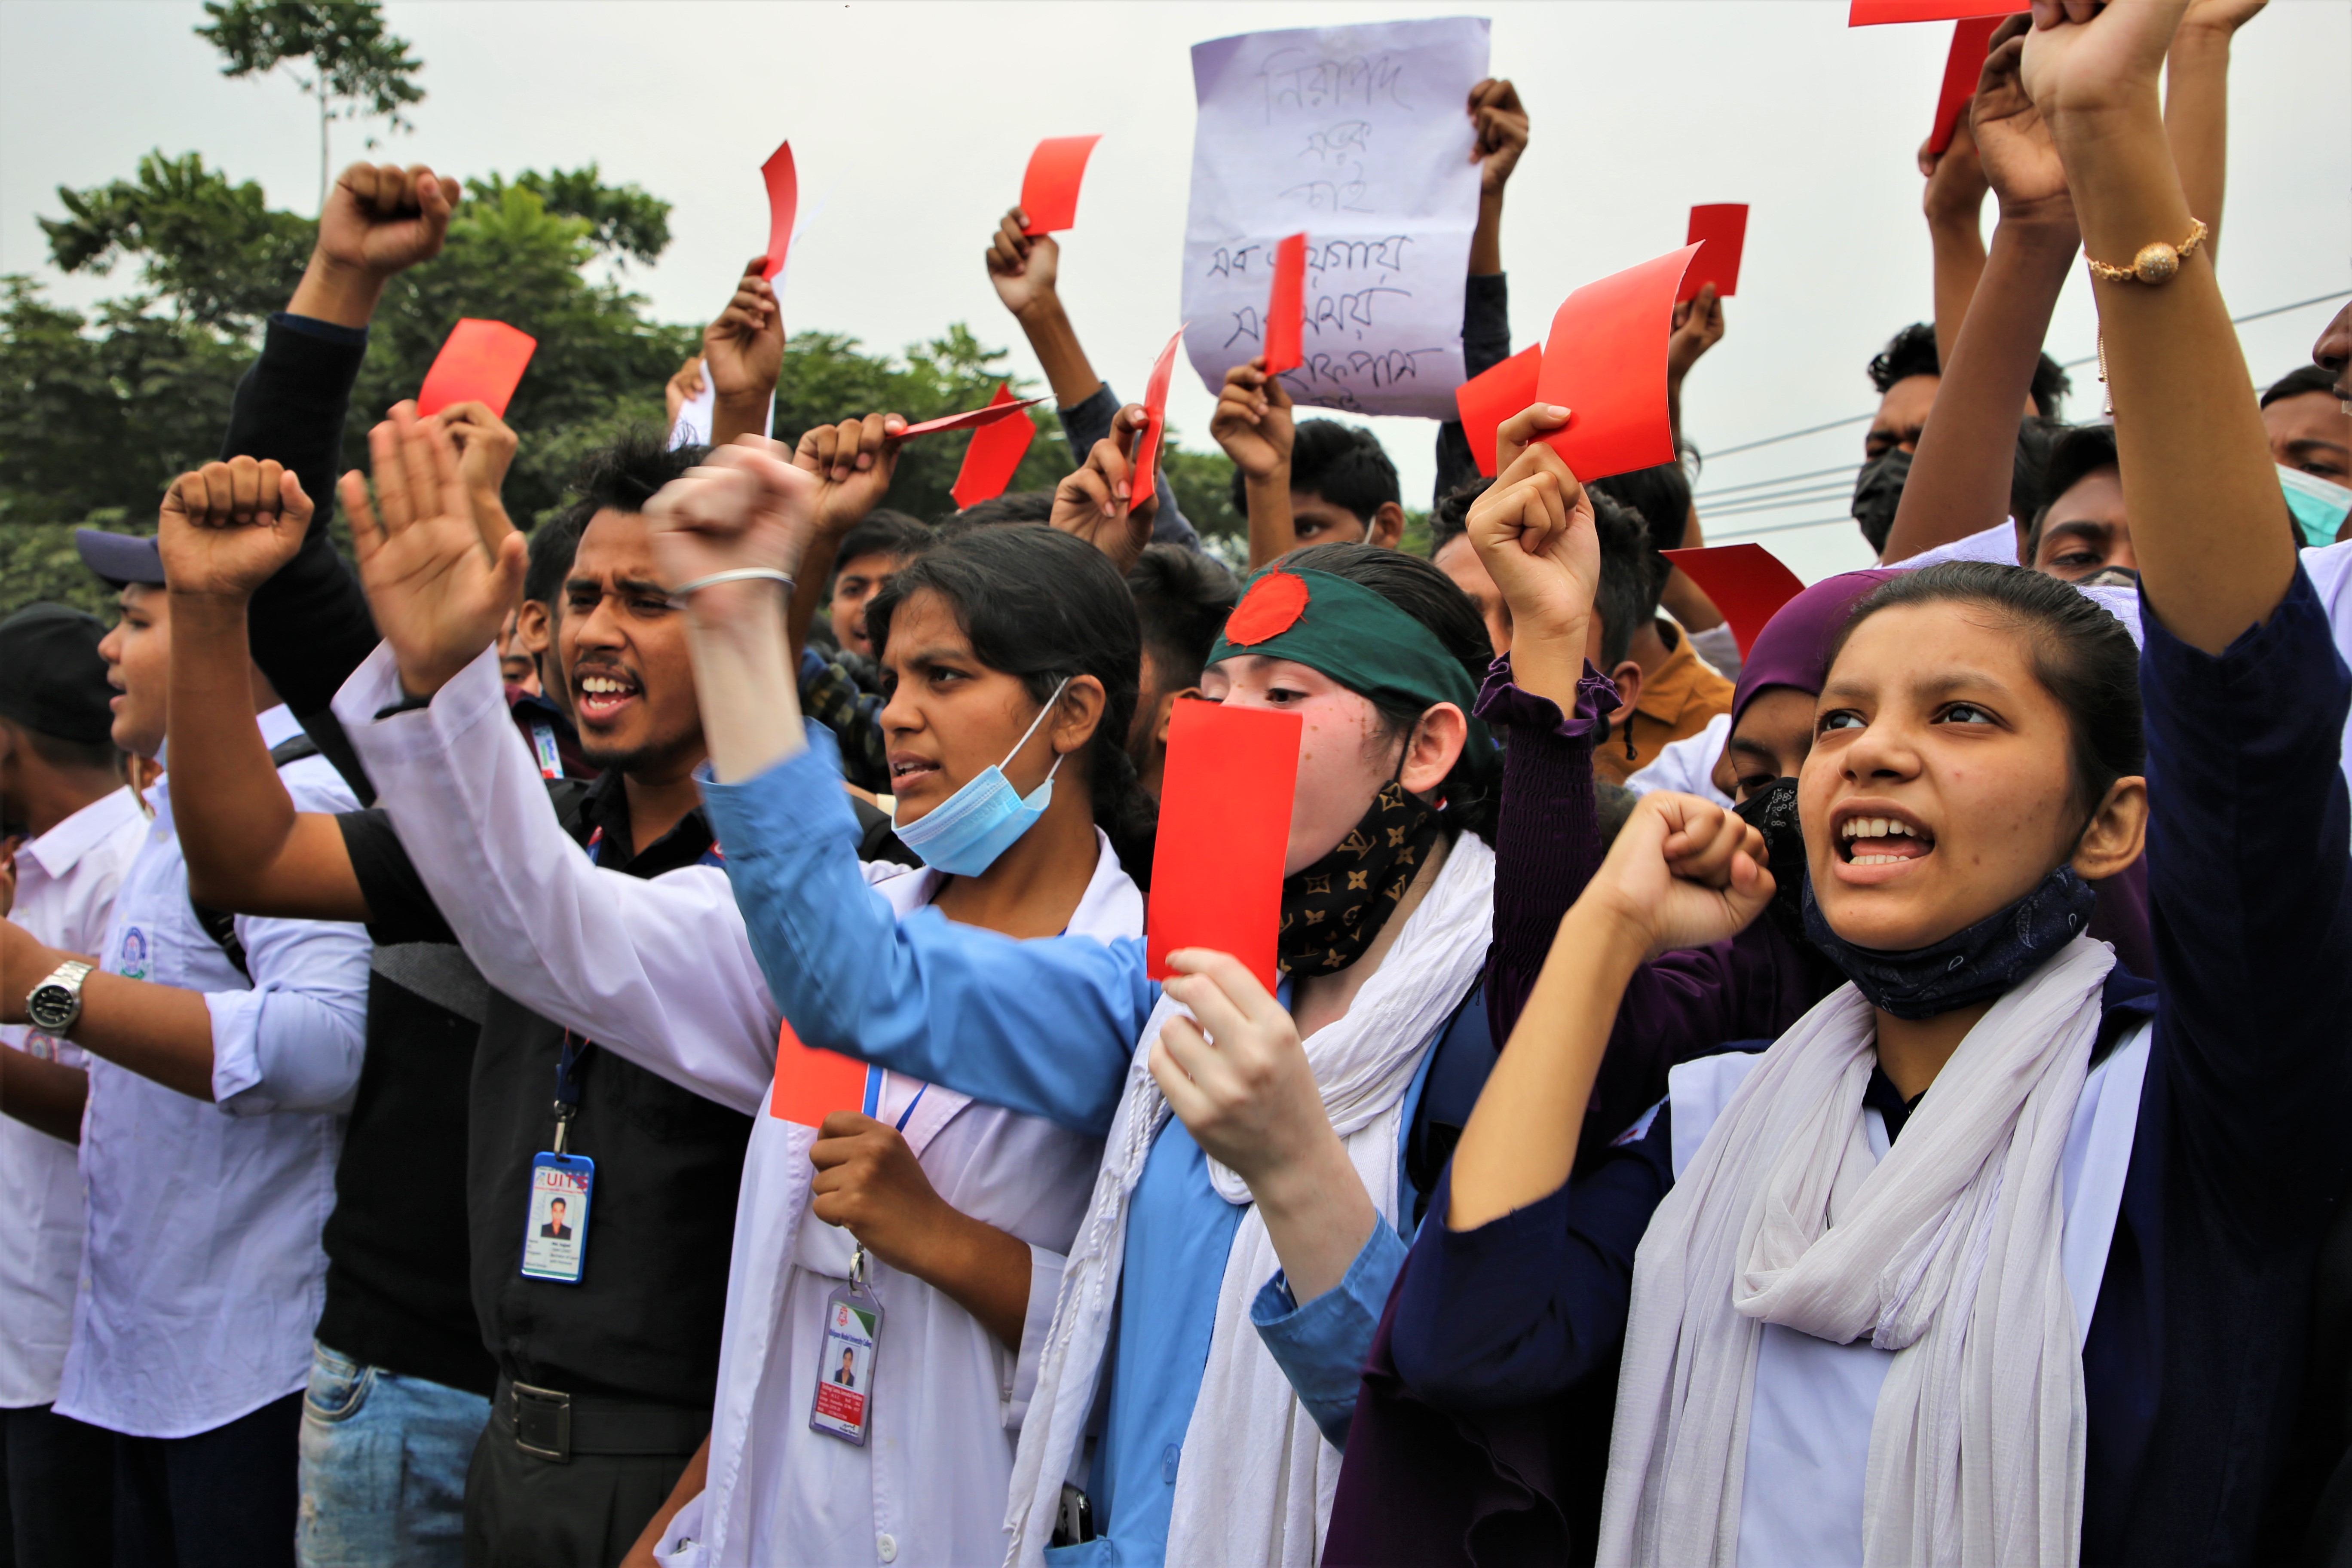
(661, 972)
(1801, 1504)
(202, 1272)
(66, 879)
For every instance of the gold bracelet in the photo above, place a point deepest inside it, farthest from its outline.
(2155, 263)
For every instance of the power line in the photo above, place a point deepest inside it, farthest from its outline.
(2070, 364)
(1733, 537)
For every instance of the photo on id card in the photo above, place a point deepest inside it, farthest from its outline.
(555, 1227)
(845, 1372)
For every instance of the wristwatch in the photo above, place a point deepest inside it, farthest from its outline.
(56, 1002)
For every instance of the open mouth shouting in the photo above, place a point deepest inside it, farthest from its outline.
(1875, 842)
(602, 692)
(911, 773)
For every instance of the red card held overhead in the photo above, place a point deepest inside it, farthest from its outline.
(783, 200)
(995, 453)
(1049, 190)
(1224, 831)
(1003, 407)
(1962, 67)
(1747, 582)
(1286, 307)
(482, 363)
(1720, 232)
(1873, 13)
(1493, 395)
(811, 1085)
(1605, 363)
(1144, 458)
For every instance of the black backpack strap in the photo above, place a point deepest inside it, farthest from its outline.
(219, 925)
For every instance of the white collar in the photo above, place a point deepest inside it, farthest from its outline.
(65, 844)
(1111, 907)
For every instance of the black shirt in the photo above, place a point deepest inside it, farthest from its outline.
(644, 1321)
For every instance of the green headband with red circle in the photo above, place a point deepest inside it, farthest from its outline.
(1359, 638)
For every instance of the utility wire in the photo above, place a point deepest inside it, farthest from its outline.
(2070, 364)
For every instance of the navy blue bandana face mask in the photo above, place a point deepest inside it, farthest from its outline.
(1968, 966)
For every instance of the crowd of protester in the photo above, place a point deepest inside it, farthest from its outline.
(1876, 1097)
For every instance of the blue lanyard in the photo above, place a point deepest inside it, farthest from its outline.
(874, 1097)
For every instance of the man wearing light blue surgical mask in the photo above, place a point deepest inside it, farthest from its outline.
(2311, 441)
(963, 835)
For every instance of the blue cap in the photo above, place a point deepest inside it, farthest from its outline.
(121, 558)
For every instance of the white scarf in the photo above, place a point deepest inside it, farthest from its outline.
(1257, 1479)
(1947, 1252)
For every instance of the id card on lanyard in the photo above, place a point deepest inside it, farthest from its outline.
(842, 1405)
(563, 1185)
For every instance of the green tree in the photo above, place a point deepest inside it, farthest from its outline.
(98, 411)
(354, 66)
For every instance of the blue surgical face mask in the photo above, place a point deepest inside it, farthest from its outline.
(963, 835)
(2319, 505)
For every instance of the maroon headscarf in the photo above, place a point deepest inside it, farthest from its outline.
(1793, 648)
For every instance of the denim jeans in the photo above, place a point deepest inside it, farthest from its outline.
(384, 1466)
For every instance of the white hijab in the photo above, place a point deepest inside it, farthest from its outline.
(1256, 1482)
(1947, 1252)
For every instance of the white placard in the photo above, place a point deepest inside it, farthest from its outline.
(1361, 136)
(696, 415)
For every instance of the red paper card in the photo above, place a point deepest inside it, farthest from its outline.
(1224, 830)
(1002, 408)
(481, 362)
(1720, 232)
(1049, 190)
(1747, 582)
(1871, 13)
(1286, 307)
(1605, 363)
(783, 200)
(1493, 395)
(1962, 67)
(811, 1085)
(1145, 460)
(995, 452)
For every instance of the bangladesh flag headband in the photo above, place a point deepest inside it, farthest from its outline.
(1359, 639)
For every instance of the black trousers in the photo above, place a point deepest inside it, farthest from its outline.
(523, 1512)
(221, 1499)
(57, 1509)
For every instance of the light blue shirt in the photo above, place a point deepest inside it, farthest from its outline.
(1045, 1027)
(201, 1273)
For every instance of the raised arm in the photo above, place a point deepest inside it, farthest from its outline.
(1500, 123)
(2215, 541)
(1960, 479)
(309, 624)
(742, 354)
(1254, 425)
(223, 531)
(1024, 270)
(2197, 103)
(2245, 697)
(1954, 205)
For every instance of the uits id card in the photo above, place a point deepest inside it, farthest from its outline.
(555, 1227)
(845, 1372)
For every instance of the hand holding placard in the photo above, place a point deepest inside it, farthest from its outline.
(1493, 395)
(995, 452)
(1605, 363)
(1049, 190)
(1286, 307)
(1747, 582)
(1225, 831)
(482, 362)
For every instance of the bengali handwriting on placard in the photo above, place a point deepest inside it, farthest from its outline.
(1358, 137)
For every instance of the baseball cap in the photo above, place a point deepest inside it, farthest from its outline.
(121, 558)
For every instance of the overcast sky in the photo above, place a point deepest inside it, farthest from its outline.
(911, 123)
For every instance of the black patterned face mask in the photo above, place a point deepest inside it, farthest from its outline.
(1968, 966)
(1773, 812)
(1333, 909)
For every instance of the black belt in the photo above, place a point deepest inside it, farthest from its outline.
(551, 1425)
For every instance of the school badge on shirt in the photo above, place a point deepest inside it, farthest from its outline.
(134, 953)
